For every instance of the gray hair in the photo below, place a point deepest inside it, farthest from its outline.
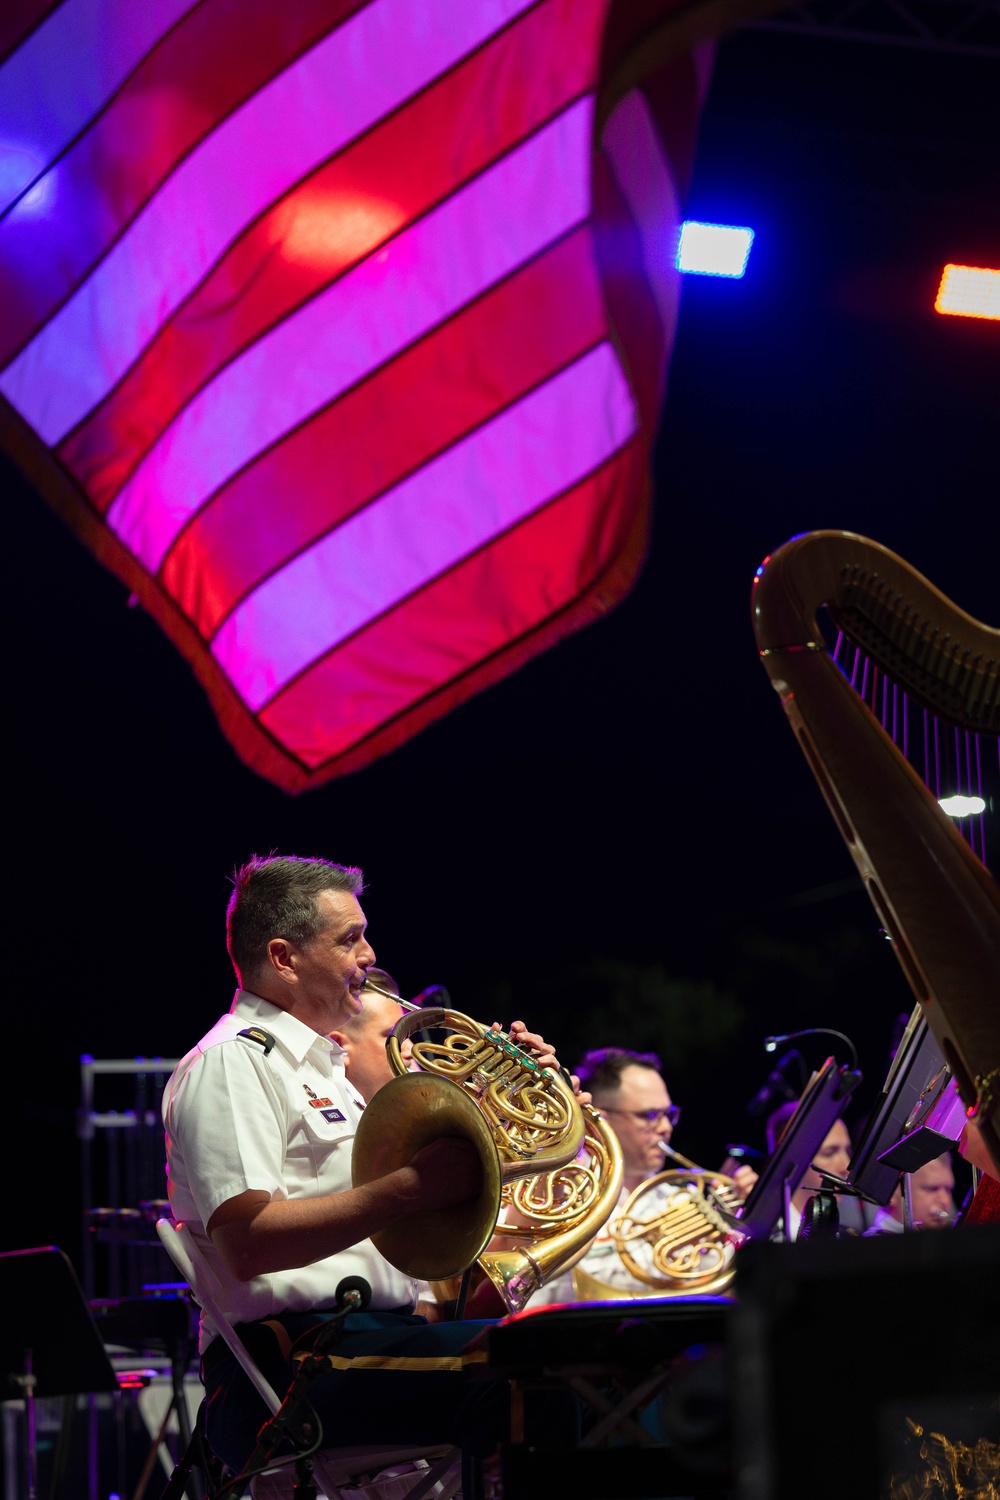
(275, 896)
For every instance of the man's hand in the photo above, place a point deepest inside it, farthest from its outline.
(448, 1171)
(743, 1176)
(532, 1042)
(542, 1052)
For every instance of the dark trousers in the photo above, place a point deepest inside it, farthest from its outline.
(392, 1379)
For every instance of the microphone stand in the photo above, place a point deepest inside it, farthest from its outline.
(821, 1218)
(296, 1420)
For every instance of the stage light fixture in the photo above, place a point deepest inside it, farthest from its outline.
(969, 292)
(713, 249)
(961, 807)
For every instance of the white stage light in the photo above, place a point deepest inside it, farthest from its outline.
(961, 807)
(713, 249)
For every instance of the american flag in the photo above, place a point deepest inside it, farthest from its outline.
(338, 330)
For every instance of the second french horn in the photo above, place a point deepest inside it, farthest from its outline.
(550, 1166)
(674, 1235)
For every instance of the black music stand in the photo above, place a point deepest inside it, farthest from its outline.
(917, 1062)
(820, 1105)
(49, 1345)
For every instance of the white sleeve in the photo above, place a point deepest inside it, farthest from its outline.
(227, 1127)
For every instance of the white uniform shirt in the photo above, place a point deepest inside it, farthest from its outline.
(603, 1261)
(240, 1115)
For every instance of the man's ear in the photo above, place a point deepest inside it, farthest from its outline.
(340, 1037)
(281, 957)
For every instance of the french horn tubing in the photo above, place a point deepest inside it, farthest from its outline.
(548, 1162)
(676, 1234)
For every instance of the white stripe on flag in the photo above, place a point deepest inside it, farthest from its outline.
(54, 84)
(369, 66)
(479, 488)
(485, 231)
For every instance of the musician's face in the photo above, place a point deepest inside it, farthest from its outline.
(642, 1090)
(931, 1189)
(331, 968)
(833, 1156)
(367, 1065)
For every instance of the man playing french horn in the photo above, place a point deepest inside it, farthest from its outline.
(628, 1088)
(260, 1123)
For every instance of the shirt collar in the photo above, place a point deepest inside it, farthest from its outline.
(292, 1035)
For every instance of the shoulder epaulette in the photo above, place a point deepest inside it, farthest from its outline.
(259, 1035)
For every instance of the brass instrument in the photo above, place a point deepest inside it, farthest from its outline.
(552, 1161)
(934, 898)
(676, 1234)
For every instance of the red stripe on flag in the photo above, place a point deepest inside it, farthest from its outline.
(333, 220)
(219, 55)
(461, 622)
(485, 357)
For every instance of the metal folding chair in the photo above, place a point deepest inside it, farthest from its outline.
(335, 1469)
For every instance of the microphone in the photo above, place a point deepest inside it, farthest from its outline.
(434, 994)
(353, 1294)
(777, 1084)
(771, 1043)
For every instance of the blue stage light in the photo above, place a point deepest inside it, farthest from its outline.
(713, 249)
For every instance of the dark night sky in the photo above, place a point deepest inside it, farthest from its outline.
(632, 803)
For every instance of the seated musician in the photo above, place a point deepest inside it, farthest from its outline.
(629, 1090)
(834, 1155)
(931, 1200)
(260, 1121)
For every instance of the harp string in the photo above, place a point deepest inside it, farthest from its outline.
(952, 764)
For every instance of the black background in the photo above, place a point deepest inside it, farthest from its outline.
(621, 842)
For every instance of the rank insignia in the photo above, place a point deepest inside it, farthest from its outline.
(260, 1036)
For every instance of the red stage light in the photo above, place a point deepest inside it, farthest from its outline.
(969, 292)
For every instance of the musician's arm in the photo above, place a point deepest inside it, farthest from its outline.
(255, 1233)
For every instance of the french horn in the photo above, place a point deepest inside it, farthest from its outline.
(550, 1165)
(676, 1234)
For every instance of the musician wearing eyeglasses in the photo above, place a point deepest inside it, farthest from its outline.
(260, 1121)
(629, 1089)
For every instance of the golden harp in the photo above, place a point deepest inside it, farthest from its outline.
(934, 897)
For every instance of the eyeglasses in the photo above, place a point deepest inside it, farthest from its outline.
(650, 1117)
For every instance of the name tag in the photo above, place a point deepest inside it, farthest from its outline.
(332, 1116)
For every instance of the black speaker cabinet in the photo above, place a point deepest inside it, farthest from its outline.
(868, 1368)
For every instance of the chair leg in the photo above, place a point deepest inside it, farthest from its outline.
(152, 1456)
(197, 1455)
